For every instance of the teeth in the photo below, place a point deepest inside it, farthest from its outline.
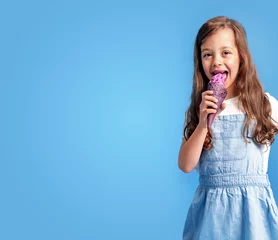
(214, 73)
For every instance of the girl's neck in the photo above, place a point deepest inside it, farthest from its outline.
(231, 92)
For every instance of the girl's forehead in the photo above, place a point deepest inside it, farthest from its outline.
(221, 38)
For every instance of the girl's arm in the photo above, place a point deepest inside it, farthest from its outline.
(190, 150)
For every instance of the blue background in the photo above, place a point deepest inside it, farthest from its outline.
(93, 96)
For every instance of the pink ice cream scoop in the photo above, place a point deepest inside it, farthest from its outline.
(217, 85)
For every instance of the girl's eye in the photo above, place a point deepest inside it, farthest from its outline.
(226, 52)
(206, 55)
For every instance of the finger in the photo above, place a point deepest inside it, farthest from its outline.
(210, 104)
(209, 110)
(211, 98)
(208, 92)
(222, 107)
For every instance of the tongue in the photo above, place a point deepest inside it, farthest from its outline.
(219, 78)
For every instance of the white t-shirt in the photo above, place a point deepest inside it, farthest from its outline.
(233, 107)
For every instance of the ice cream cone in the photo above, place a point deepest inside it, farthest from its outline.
(217, 85)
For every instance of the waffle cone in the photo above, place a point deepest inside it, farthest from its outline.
(220, 92)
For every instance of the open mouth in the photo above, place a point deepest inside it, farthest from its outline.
(219, 71)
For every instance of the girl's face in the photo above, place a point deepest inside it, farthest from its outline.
(219, 53)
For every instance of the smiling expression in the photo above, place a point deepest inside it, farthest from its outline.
(219, 53)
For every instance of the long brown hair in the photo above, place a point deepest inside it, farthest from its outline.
(251, 95)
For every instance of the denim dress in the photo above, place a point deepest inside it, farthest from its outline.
(234, 199)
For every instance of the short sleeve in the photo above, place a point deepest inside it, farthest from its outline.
(274, 107)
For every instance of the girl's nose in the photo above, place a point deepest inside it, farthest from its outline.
(217, 61)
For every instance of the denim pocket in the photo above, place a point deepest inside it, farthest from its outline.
(229, 149)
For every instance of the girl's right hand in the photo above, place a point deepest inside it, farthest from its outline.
(207, 106)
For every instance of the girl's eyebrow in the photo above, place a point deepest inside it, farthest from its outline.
(227, 47)
(208, 49)
(205, 49)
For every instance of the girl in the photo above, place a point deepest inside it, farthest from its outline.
(234, 199)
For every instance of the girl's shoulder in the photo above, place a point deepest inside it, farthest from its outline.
(274, 106)
(271, 98)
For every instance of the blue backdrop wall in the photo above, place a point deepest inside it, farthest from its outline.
(93, 96)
